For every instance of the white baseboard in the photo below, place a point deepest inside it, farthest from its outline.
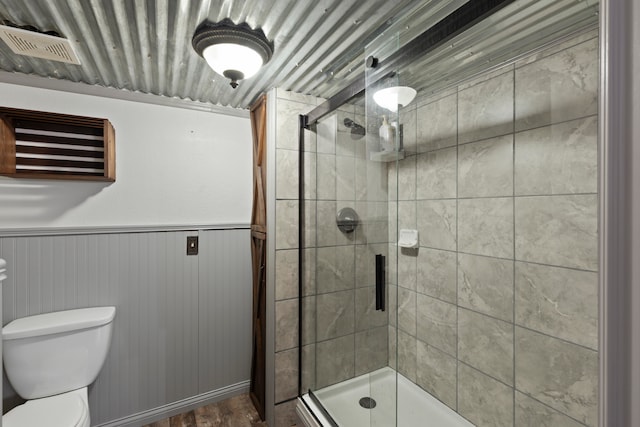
(181, 406)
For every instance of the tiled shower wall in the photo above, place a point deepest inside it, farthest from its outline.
(497, 309)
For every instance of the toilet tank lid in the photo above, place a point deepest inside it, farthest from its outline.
(58, 322)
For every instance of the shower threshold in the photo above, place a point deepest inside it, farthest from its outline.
(415, 407)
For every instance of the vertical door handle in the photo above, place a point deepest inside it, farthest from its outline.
(380, 282)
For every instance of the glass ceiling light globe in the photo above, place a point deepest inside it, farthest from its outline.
(391, 97)
(226, 56)
(235, 51)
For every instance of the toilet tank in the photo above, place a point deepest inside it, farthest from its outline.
(57, 352)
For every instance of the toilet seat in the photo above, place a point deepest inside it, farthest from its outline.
(62, 410)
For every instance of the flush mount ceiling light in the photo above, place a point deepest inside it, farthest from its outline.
(235, 51)
(391, 97)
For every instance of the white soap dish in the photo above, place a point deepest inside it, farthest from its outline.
(408, 239)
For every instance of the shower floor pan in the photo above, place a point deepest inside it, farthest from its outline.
(415, 406)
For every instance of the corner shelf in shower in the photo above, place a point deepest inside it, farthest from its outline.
(386, 156)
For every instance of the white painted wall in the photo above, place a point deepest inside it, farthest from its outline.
(174, 167)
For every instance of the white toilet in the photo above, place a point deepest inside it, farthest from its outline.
(50, 360)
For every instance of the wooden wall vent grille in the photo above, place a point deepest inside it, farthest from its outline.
(44, 145)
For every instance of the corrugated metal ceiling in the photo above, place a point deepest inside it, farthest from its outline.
(145, 45)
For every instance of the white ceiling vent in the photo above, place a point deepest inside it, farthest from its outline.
(38, 45)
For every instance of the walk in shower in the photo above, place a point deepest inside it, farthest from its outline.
(448, 237)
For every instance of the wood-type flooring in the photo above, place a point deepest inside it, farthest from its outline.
(237, 411)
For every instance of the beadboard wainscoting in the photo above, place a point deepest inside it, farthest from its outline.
(182, 332)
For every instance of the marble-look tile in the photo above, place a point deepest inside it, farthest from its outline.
(407, 311)
(437, 124)
(486, 344)
(326, 176)
(406, 214)
(335, 314)
(436, 274)
(485, 110)
(345, 144)
(308, 320)
(367, 316)
(557, 47)
(309, 271)
(335, 268)
(286, 224)
(406, 355)
(558, 230)
(407, 178)
(286, 324)
(285, 414)
(437, 323)
(310, 187)
(436, 372)
(287, 123)
(286, 174)
(408, 129)
(437, 224)
(371, 350)
(286, 274)
(482, 400)
(530, 412)
(392, 180)
(559, 374)
(286, 375)
(335, 361)
(345, 178)
(485, 226)
(558, 159)
(327, 231)
(558, 302)
(392, 332)
(326, 131)
(308, 355)
(436, 176)
(558, 88)
(407, 268)
(392, 304)
(487, 75)
(486, 285)
(309, 224)
(362, 190)
(485, 168)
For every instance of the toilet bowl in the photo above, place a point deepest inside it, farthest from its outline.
(50, 360)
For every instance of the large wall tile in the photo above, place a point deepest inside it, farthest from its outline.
(310, 173)
(482, 400)
(407, 311)
(486, 109)
(485, 168)
(286, 365)
(326, 135)
(371, 350)
(407, 214)
(308, 355)
(409, 125)
(366, 314)
(327, 231)
(286, 274)
(407, 268)
(558, 159)
(335, 268)
(485, 227)
(309, 271)
(559, 374)
(437, 224)
(308, 320)
(436, 274)
(345, 178)
(558, 301)
(286, 324)
(286, 174)
(287, 123)
(436, 372)
(436, 177)
(486, 344)
(335, 314)
(286, 224)
(437, 124)
(530, 412)
(406, 355)
(335, 360)
(407, 178)
(560, 87)
(437, 321)
(326, 176)
(486, 285)
(558, 230)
